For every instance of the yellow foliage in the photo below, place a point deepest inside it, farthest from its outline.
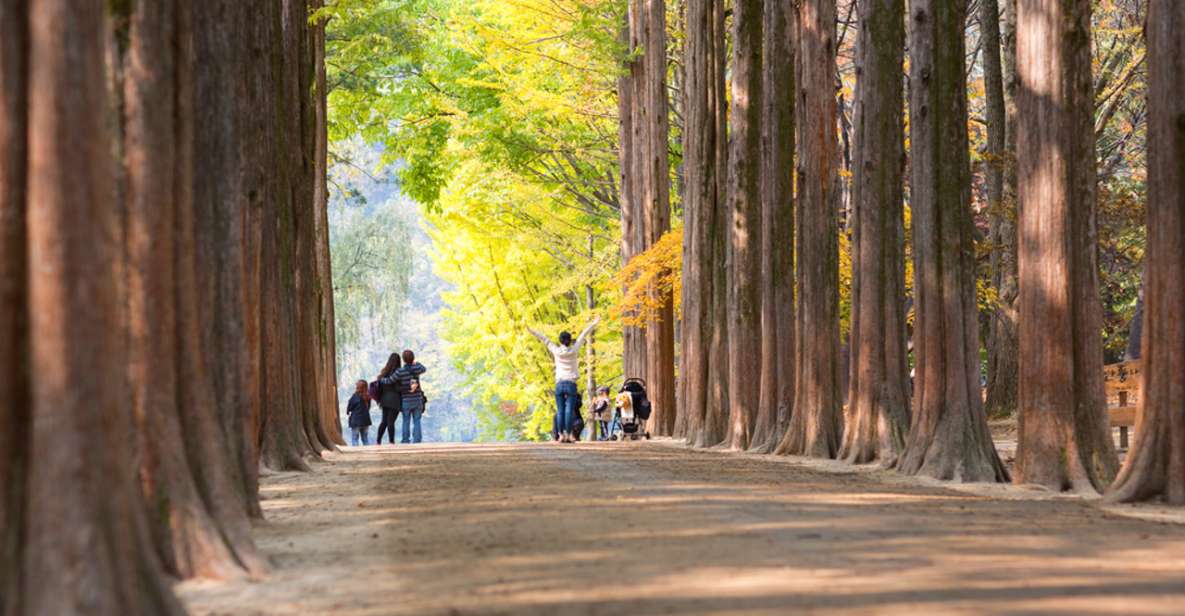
(651, 279)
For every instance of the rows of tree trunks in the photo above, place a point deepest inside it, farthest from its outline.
(760, 344)
(165, 312)
(645, 196)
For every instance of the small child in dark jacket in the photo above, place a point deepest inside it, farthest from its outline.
(358, 413)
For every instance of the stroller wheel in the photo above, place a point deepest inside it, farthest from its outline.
(647, 436)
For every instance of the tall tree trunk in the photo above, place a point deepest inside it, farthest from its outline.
(716, 414)
(90, 538)
(777, 226)
(744, 205)
(878, 419)
(699, 134)
(1155, 466)
(219, 192)
(1064, 439)
(949, 437)
(656, 214)
(324, 275)
(1002, 352)
(16, 418)
(155, 139)
(631, 162)
(816, 424)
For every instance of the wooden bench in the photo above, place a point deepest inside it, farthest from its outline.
(1122, 382)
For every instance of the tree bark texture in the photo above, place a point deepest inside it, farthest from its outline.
(1000, 175)
(699, 202)
(949, 437)
(744, 206)
(15, 402)
(130, 290)
(816, 424)
(716, 415)
(1064, 436)
(878, 399)
(656, 215)
(632, 160)
(91, 539)
(777, 226)
(645, 205)
(1155, 465)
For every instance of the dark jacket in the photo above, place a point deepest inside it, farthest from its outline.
(389, 398)
(358, 411)
(407, 380)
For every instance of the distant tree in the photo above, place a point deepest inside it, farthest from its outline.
(999, 82)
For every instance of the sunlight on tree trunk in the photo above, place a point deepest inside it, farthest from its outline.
(1155, 466)
(949, 437)
(1064, 437)
(878, 397)
(816, 424)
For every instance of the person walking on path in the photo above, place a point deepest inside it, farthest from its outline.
(389, 400)
(567, 370)
(358, 414)
(407, 381)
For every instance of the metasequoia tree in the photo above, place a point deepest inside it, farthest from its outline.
(700, 225)
(65, 399)
(1155, 465)
(816, 424)
(744, 206)
(656, 211)
(948, 437)
(645, 196)
(878, 419)
(1064, 439)
(777, 226)
(999, 84)
(645, 200)
(130, 300)
(153, 81)
(716, 415)
(15, 403)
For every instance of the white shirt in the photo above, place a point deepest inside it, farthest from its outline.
(567, 358)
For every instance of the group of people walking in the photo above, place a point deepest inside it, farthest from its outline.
(397, 390)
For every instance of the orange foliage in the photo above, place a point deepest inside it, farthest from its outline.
(649, 279)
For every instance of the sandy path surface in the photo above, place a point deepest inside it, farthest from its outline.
(651, 529)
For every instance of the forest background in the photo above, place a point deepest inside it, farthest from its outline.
(474, 191)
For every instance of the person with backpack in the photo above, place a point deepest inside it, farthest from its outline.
(567, 370)
(358, 415)
(389, 400)
(407, 380)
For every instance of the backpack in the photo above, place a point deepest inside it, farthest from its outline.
(375, 389)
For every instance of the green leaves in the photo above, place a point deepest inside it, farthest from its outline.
(499, 119)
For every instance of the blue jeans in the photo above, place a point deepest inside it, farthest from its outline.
(565, 405)
(360, 436)
(412, 410)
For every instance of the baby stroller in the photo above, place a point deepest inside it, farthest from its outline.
(631, 413)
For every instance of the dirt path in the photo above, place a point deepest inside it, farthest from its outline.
(651, 529)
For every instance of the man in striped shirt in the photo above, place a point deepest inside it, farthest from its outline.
(407, 380)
